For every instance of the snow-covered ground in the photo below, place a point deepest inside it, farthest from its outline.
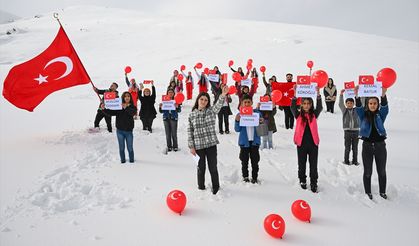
(60, 185)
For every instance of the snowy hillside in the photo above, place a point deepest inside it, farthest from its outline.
(60, 185)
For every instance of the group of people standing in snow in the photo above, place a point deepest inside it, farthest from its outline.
(358, 122)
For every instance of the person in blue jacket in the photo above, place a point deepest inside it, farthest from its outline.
(249, 143)
(170, 120)
(373, 134)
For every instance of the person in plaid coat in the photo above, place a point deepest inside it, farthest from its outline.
(202, 138)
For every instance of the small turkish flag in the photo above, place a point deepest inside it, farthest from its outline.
(56, 68)
(349, 85)
(211, 72)
(303, 80)
(246, 110)
(366, 80)
(264, 99)
(109, 95)
(147, 82)
(165, 98)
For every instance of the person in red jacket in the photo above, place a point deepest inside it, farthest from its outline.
(133, 90)
(306, 137)
(189, 85)
(202, 81)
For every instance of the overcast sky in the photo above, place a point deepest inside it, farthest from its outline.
(391, 18)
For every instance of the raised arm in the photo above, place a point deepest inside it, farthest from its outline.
(293, 108)
(384, 108)
(341, 103)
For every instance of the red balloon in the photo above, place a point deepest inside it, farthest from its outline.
(276, 96)
(183, 67)
(387, 76)
(237, 76)
(198, 65)
(206, 71)
(262, 69)
(301, 210)
(310, 64)
(250, 61)
(179, 97)
(274, 225)
(128, 69)
(230, 63)
(180, 77)
(232, 90)
(249, 66)
(176, 201)
(320, 77)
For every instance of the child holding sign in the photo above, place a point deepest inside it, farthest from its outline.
(124, 125)
(306, 137)
(202, 139)
(170, 120)
(249, 141)
(147, 111)
(268, 118)
(373, 134)
(350, 122)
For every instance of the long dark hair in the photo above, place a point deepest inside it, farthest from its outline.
(370, 115)
(310, 114)
(202, 80)
(202, 94)
(331, 86)
(130, 98)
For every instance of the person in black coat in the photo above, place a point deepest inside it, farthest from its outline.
(125, 125)
(100, 111)
(147, 111)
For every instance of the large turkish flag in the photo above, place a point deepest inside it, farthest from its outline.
(287, 89)
(58, 67)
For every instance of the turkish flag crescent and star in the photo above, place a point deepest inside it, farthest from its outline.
(56, 68)
(287, 89)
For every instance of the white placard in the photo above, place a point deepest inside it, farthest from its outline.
(349, 93)
(246, 82)
(214, 77)
(196, 158)
(266, 106)
(249, 120)
(168, 105)
(113, 104)
(306, 91)
(374, 90)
